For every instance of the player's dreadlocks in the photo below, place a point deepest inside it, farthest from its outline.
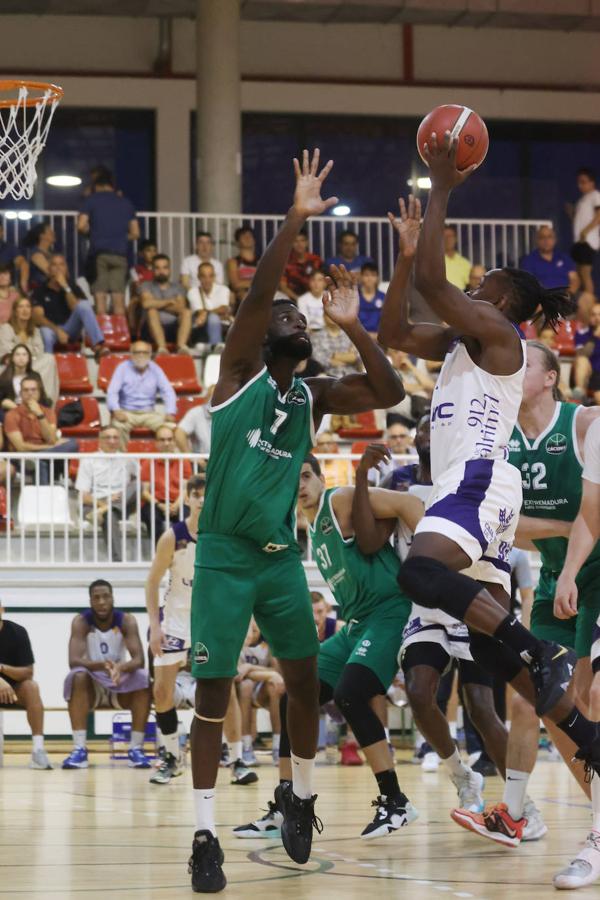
(532, 301)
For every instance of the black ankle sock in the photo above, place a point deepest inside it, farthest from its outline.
(517, 637)
(167, 721)
(388, 784)
(581, 731)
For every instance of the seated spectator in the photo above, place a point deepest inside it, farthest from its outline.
(240, 269)
(106, 489)
(31, 426)
(132, 393)
(335, 471)
(211, 305)
(21, 330)
(311, 303)
(399, 439)
(475, 276)
(584, 301)
(259, 686)
(18, 687)
(300, 266)
(192, 434)
(8, 293)
(168, 316)
(109, 219)
(139, 274)
(551, 267)
(19, 363)
(205, 253)
(61, 311)
(371, 298)
(106, 662)
(39, 242)
(13, 258)
(168, 479)
(586, 365)
(585, 215)
(458, 268)
(332, 348)
(327, 624)
(347, 254)
(418, 384)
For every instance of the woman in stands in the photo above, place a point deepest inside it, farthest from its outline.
(21, 330)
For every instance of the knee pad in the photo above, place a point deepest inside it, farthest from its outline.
(432, 584)
(352, 694)
(494, 656)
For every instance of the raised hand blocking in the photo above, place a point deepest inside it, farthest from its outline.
(307, 197)
(407, 224)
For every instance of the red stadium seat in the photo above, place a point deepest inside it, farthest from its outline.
(73, 374)
(116, 332)
(529, 330)
(90, 425)
(565, 338)
(366, 427)
(141, 446)
(107, 366)
(84, 447)
(181, 372)
(187, 402)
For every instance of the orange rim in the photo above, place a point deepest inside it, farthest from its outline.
(41, 87)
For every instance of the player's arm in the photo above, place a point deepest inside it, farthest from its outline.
(78, 657)
(584, 534)
(160, 564)
(395, 330)
(532, 528)
(133, 642)
(242, 357)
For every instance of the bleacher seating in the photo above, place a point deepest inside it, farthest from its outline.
(181, 372)
(141, 445)
(73, 375)
(90, 425)
(565, 338)
(107, 366)
(366, 427)
(186, 402)
(116, 332)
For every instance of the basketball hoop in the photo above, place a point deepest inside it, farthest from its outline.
(26, 111)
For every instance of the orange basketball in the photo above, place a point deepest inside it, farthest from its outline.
(463, 124)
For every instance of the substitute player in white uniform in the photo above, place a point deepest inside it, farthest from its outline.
(170, 626)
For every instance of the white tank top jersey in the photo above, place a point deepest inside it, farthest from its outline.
(473, 413)
(103, 646)
(256, 655)
(178, 596)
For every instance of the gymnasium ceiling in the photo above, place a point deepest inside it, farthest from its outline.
(562, 15)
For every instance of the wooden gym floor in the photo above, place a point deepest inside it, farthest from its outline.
(106, 832)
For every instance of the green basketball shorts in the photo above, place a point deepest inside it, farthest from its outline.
(576, 632)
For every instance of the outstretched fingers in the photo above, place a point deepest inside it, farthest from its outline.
(314, 163)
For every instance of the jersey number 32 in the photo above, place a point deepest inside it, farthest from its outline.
(535, 477)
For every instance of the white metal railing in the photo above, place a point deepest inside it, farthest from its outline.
(491, 242)
(47, 523)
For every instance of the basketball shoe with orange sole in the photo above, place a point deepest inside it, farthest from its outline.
(494, 823)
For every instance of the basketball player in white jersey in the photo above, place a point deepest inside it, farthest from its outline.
(170, 626)
(471, 515)
(259, 685)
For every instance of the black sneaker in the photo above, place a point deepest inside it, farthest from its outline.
(205, 864)
(485, 766)
(550, 669)
(591, 757)
(241, 774)
(392, 813)
(298, 822)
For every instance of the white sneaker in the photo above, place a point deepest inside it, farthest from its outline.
(431, 762)
(469, 789)
(584, 869)
(39, 760)
(536, 828)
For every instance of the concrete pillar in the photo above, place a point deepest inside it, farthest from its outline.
(218, 106)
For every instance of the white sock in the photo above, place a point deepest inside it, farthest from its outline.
(515, 789)
(455, 765)
(137, 739)
(38, 742)
(302, 777)
(204, 805)
(235, 750)
(171, 742)
(275, 741)
(387, 734)
(79, 738)
(596, 803)
(247, 741)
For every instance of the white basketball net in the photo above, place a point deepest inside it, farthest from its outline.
(23, 133)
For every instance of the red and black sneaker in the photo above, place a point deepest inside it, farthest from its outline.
(495, 823)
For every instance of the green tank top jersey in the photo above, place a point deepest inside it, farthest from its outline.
(259, 440)
(551, 470)
(358, 582)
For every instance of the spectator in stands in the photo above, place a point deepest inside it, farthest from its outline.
(347, 254)
(205, 253)
(102, 675)
(584, 300)
(168, 315)
(371, 298)
(21, 330)
(551, 267)
(192, 434)
(106, 488)
(300, 266)
(399, 439)
(310, 304)
(586, 231)
(8, 292)
(211, 305)
(39, 242)
(109, 220)
(139, 274)
(61, 311)
(586, 365)
(418, 383)
(168, 478)
(327, 625)
(458, 268)
(335, 471)
(334, 350)
(241, 268)
(475, 276)
(31, 427)
(19, 364)
(17, 685)
(13, 258)
(132, 393)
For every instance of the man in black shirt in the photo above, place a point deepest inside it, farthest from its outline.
(17, 684)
